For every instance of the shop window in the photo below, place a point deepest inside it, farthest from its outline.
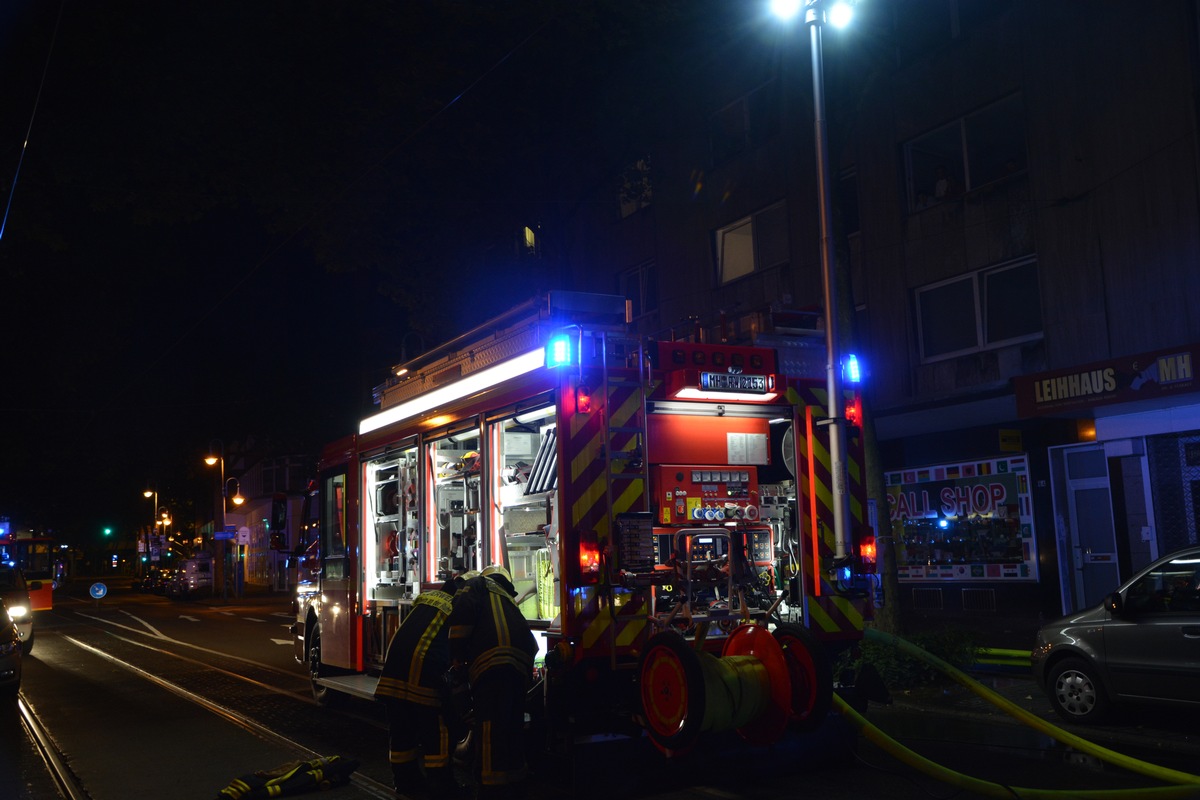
(640, 286)
(745, 123)
(973, 151)
(979, 311)
(753, 244)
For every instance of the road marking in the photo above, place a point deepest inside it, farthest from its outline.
(282, 641)
(153, 630)
(253, 619)
(284, 614)
(189, 619)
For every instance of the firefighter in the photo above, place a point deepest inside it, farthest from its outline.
(490, 636)
(412, 685)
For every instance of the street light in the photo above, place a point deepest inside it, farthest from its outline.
(217, 457)
(148, 494)
(237, 491)
(816, 14)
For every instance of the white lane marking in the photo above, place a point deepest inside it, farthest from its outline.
(157, 633)
(253, 619)
(189, 619)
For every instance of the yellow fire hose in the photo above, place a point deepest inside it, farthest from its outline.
(1186, 784)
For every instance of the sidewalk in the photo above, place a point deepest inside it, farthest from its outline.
(1150, 733)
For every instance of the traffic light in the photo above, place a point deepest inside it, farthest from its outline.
(108, 531)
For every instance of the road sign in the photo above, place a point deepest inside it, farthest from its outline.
(98, 590)
(219, 535)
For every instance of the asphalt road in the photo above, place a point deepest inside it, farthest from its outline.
(150, 697)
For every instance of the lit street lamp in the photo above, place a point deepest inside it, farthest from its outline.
(215, 458)
(816, 14)
(148, 494)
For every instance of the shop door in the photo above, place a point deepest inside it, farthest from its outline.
(1091, 533)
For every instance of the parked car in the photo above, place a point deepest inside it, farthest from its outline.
(11, 651)
(1142, 644)
(14, 592)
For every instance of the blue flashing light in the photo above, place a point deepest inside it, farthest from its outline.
(943, 523)
(851, 369)
(558, 351)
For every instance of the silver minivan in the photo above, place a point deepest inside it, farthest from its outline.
(1142, 644)
(193, 578)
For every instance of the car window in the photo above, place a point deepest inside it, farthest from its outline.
(1172, 588)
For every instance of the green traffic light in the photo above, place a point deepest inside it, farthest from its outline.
(108, 531)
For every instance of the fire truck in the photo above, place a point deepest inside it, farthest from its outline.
(662, 507)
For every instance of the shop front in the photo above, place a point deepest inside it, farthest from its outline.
(1130, 490)
(966, 539)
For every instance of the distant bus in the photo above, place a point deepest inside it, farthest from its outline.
(39, 559)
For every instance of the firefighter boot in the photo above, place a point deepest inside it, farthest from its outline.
(408, 781)
(443, 785)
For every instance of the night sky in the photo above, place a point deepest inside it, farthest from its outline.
(229, 214)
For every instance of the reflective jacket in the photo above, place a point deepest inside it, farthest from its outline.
(488, 631)
(418, 655)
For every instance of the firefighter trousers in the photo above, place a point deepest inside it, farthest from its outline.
(499, 727)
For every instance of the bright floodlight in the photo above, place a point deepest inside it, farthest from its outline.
(840, 14)
(785, 9)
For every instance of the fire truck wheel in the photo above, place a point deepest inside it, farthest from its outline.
(672, 691)
(321, 693)
(811, 673)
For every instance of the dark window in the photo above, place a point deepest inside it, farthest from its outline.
(983, 147)
(991, 307)
(640, 286)
(746, 122)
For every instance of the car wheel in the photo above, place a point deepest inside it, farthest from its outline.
(27, 645)
(1076, 692)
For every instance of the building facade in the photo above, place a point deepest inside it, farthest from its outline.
(1018, 238)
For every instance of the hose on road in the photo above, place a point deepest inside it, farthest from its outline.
(1184, 784)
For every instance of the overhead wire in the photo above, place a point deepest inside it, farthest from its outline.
(32, 115)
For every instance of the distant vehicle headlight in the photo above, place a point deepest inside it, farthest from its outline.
(16, 612)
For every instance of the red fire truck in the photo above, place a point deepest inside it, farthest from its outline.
(662, 507)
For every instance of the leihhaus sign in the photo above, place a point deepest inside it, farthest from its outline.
(1120, 380)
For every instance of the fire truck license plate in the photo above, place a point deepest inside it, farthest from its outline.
(725, 382)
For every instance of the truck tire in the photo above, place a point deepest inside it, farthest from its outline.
(320, 692)
(812, 676)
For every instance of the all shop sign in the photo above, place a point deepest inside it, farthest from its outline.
(982, 499)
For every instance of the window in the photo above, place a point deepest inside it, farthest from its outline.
(640, 286)
(746, 122)
(753, 244)
(636, 192)
(973, 151)
(985, 309)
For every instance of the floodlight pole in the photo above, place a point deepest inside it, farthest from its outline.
(815, 18)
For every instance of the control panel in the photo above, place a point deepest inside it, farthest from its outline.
(686, 495)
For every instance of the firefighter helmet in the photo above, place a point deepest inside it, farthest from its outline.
(496, 569)
(501, 577)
